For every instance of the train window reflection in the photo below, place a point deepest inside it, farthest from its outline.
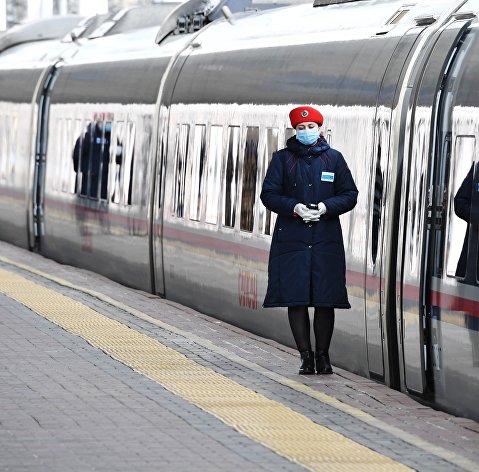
(230, 188)
(127, 161)
(77, 135)
(248, 190)
(60, 147)
(461, 186)
(181, 151)
(118, 137)
(214, 173)
(197, 164)
(68, 176)
(270, 145)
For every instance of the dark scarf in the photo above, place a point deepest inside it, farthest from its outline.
(303, 150)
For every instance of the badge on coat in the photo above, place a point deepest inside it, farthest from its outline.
(327, 176)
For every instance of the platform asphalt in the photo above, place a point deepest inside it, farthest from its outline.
(72, 407)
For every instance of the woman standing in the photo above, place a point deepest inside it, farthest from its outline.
(308, 185)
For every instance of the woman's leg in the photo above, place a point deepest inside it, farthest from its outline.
(300, 326)
(323, 327)
(323, 332)
(299, 321)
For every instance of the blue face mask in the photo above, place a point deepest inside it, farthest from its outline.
(307, 136)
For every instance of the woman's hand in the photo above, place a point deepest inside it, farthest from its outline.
(307, 214)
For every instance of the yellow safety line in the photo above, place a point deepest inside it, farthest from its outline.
(268, 422)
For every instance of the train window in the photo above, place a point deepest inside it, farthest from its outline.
(459, 208)
(76, 140)
(197, 164)
(60, 149)
(127, 161)
(248, 190)
(288, 133)
(230, 187)
(117, 138)
(181, 151)
(67, 177)
(270, 145)
(213, 183)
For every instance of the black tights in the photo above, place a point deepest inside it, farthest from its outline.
(323, 327)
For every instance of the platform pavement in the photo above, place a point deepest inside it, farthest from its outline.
(68, 406)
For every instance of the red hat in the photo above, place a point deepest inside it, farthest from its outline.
(302, 114)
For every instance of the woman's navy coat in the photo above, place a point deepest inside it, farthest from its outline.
(307, 263)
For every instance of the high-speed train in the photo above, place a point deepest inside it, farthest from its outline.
(143, 160)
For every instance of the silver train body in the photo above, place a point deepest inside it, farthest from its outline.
(194, 121)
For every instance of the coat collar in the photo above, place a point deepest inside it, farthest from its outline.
(302, 150)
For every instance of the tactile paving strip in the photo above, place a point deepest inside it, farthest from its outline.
(268, 422)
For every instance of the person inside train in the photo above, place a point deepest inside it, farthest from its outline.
(308, 184)
(464, 209)
(91, 157)
(468, 264)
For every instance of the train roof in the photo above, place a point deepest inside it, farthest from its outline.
(55, 27)
(304, 24)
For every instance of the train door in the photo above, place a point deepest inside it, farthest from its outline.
(36, 211)
(420, 201)
(380, 318)
(452, 290)
(168, 138)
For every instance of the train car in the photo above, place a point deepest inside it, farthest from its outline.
(155, 156)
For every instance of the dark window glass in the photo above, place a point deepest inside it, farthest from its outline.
(181, 146)
(197, 172)
(248, 189)
(213, 183)
(128, 161)
(230, 188)
(266, 221)
(461, 211)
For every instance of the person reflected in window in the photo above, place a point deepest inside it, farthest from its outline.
(308, 185)
(91, 156)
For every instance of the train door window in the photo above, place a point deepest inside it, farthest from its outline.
(230, 187)
(459, 207)
(213, 182)
(181, 152)
(415, 217)
(197, 168)
(128, 161)
(270, 146)
(248, 189)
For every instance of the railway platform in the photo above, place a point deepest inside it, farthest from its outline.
(95, 376)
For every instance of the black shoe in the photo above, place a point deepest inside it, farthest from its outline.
(323, 366)
(307, 363)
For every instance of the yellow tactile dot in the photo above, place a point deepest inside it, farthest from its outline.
(268, 422)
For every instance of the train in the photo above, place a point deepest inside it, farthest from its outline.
(140, 155)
